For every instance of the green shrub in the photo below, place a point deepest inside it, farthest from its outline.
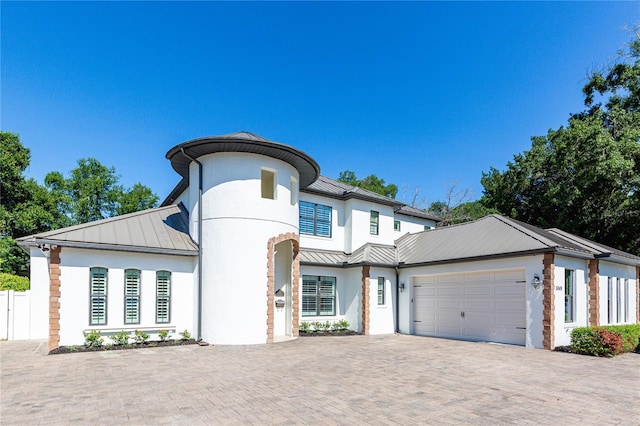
(185, 335)
(93, 339)
(305, 327)
(630, 334)
(341, 325)
(605, 340)
(13, 282)
(163, 334)
(141, 337)
(121, 338)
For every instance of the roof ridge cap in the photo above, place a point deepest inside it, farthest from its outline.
(509, 222)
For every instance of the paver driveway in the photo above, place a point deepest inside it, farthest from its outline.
(321, 380)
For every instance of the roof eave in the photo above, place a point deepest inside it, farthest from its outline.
(478, 258)
(110, 247)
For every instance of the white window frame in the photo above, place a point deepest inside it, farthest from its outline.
(163, 298)
(397, 226)
(610, 297)
(98, 293)
(619, 301)
(132, 290)
(626, 300)
(569, 296)
(293, 187)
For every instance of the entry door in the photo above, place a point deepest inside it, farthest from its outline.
(484, 306)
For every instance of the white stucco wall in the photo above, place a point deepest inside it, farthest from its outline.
(382, 317)
(533, 303)
(357, 230)
(616, 270)
(237, 225)
(562, 332)
(75, 267)
(409, 224)
(39, 327)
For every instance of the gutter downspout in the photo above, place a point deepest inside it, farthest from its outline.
(199, 241)
(397, 300)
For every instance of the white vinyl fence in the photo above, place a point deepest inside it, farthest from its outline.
(15, 307)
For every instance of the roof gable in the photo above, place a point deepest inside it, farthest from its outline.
(162, 230)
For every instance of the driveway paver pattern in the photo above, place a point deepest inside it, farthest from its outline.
(361, 380)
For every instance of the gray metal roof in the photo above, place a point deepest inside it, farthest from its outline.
(493, 235)
(599, 250)
(336, 189)
(322, 257)
(163, 230)
(374, 254)
(243, 142)
(414, 212)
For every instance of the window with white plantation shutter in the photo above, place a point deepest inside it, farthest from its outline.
(381, 291)
(98, 296)
(163, 297)
(318, 296)
(131, 296)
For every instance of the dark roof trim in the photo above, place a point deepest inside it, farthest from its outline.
(355, 195)
(243, 142)
(477, 258)
(418, 214)
(175, 192)
(348, 265)
(35, 242)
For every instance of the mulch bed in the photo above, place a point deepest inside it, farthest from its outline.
(329, 333)
(154, 344)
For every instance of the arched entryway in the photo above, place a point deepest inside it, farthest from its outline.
(282, 287)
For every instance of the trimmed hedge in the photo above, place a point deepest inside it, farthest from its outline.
(609, 340)
(13, 282)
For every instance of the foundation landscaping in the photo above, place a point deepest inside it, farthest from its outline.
(327, 328)
(604, 341)
(94, 341)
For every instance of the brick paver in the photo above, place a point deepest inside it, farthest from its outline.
(360, 380)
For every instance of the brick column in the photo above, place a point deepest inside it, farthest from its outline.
(366, 297)
(594, 292)
(548, 304)
(54, 298)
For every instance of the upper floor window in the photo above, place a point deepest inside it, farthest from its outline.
(396, 225)
(569, 296)
(294, 190)
(132, 296)
(268, 184)
(373, 222)
(315, 219)
(98, 296)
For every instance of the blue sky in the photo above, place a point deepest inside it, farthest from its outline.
(421, 94)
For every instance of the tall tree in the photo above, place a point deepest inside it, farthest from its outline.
(92, 192)
(585, 177)
(371, 183)
(25, 206)
(457, 207)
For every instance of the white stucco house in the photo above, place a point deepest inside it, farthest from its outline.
(253, 241)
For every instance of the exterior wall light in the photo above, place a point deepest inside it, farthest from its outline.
(536, 281)
(401, 287)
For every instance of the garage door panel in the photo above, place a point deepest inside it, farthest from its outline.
(476, 306)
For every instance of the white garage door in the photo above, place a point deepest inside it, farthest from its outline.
(487, 306)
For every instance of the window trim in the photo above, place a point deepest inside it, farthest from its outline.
(610, 289)
(619, 301)
(318, 280)
(268, 183)
(103, 296)
(398, 227)
(374, 222)
(165, 296)
(136, 297)
(570, 296)
(315, 218)
(382, 293)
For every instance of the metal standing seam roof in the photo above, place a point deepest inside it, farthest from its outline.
(243, 142)
(414, 212)
(372, 254)
(493, 235)
(163, 230)
(340, 190)
(600, 250)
